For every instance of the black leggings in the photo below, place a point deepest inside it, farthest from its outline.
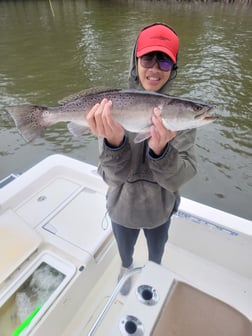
(126, 239)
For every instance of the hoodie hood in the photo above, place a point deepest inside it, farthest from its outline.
(133, 79)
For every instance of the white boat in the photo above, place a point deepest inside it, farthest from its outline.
(59, 264)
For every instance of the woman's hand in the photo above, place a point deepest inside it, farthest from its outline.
(103, 125)
(160, 135)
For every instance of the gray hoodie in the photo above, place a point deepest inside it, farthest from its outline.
(143, 190)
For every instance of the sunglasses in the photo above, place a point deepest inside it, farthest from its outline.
(164, 62)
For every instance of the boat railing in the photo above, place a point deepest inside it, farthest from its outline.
(113, 296)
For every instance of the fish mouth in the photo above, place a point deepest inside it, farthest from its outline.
(204, 115)
(209, 117)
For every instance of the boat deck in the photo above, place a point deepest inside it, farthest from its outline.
(55, 214)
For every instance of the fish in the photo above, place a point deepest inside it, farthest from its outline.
(133, 109)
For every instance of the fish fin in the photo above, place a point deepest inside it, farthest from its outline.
(85, 93)
(76, 129)
(143, 135)
(28, 120)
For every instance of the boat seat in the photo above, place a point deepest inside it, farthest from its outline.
(189, 311)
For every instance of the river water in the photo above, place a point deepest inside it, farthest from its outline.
(49, 52)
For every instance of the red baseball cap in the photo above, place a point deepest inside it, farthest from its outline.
(158, 37)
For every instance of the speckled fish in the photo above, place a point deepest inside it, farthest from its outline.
(131, 108)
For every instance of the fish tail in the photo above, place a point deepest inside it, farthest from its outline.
(28, 120)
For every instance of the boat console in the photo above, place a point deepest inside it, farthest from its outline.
(163, 304)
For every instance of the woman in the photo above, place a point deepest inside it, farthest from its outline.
(144, 178)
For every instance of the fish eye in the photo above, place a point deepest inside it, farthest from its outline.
(197, 108)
